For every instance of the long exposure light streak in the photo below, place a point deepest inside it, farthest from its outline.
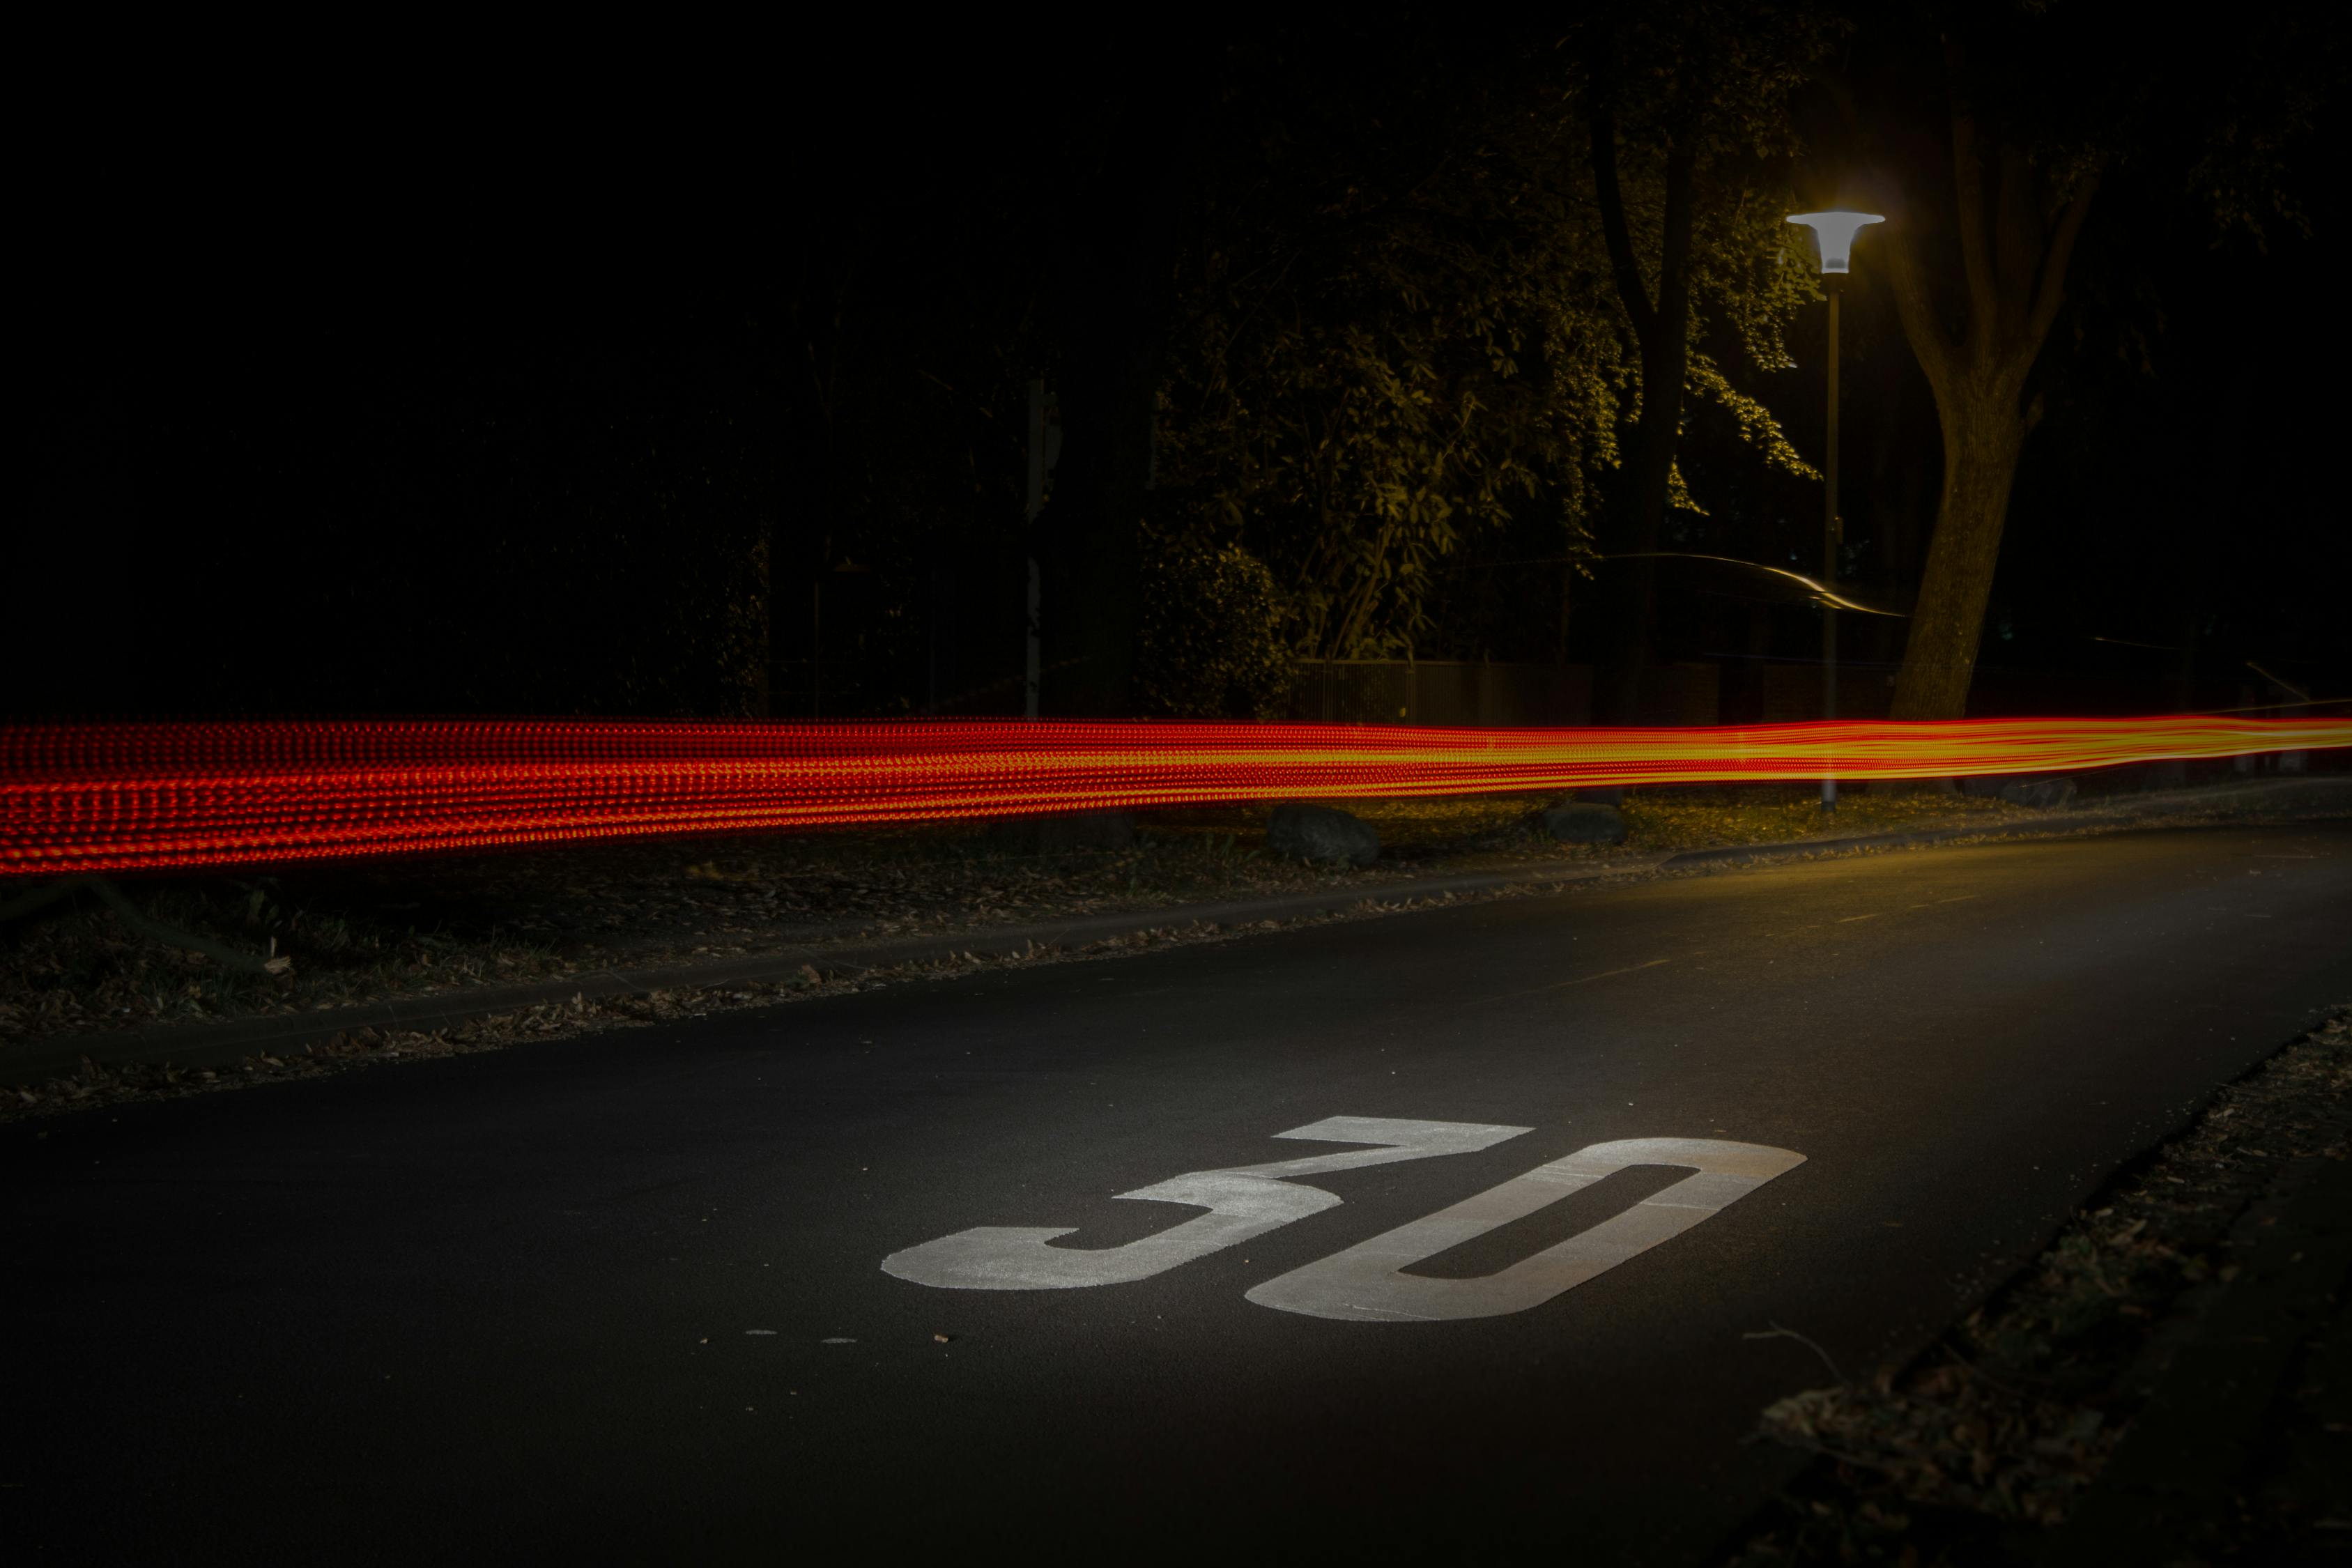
(106, 798)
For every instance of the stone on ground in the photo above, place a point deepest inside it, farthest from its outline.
(2044, 793)
(1063, 833)
(1581, 822)
(1322, 834)
(2021, 789)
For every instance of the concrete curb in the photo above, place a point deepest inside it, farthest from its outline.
(231, 1039)
(2316, 797)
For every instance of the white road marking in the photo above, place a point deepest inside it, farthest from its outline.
(1850, 919)
(1242, 1202)
(1367, 1282)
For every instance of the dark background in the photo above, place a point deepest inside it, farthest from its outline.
(588, 384)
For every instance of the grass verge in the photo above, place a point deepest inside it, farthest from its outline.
(98, 1085)
(371, 932)
(1975, 1452)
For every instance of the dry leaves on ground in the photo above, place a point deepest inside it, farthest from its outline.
(2006, 1422)
(98, 1085)
(432, 926)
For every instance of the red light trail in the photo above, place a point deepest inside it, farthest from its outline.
(80, 799)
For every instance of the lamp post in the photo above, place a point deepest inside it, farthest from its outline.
(1834, 232)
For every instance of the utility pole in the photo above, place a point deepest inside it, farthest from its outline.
(1566, 579)
(1037, 464)
(816, 632)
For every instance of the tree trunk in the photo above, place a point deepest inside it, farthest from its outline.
(1662, 327)
(1116, 292)
(1983, 435)
(1665, 362)
(1899, 506)
(1976, 344)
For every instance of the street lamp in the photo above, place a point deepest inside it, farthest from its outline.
(1834, 232)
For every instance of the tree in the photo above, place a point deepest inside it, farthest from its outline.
(1398, 325)
(1698, 98)
(2028, 111)
(1120, 164)
(1210, 644)
(1385, 337)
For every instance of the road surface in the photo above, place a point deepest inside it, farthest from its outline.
(625, 1299)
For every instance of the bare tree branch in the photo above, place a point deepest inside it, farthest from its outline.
(2018, 232)
(1612, 201)
(1967, 188)
(1914, 306)
(1674, 260)
(2050, 290)
(1969, 203)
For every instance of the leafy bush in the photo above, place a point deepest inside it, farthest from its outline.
(1210, 644)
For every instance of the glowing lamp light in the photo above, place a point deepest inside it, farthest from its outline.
(1834, 232)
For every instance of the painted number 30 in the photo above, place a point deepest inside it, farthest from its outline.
(1368, 1281)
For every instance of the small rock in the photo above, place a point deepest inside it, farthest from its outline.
(2021, 789)
(1581, 822)
(1323, 834)
(1060, 835)
(2040, 792)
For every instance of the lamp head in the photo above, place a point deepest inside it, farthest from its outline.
(1834, 231)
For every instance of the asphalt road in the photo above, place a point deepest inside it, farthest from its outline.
(624, 1299)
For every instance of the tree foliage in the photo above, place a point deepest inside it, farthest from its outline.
(1397, 324)
(1696, 100)
(1210, 645)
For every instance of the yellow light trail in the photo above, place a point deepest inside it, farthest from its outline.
(93, 798)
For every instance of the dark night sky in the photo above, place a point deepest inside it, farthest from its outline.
(307, 366)
(302, 357)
